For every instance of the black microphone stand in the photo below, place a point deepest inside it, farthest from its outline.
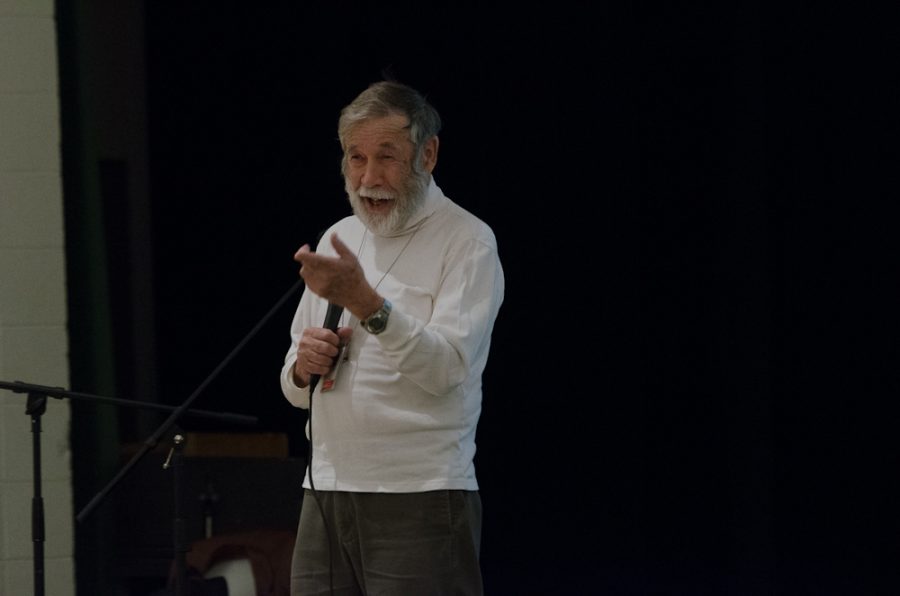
(181, 586)
(36, 407)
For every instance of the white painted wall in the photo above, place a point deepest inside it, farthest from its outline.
(33, 340)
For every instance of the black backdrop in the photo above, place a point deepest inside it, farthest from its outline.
(674, 401)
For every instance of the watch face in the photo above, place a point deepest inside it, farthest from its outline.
(376, 323)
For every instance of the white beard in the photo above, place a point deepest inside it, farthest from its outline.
(406, 202)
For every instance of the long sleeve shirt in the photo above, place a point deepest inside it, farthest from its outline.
(403, 411)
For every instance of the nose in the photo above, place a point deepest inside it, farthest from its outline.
(371, 174)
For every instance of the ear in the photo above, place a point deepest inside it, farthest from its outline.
(430, 154)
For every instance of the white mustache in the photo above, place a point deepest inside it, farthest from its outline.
(375, 193)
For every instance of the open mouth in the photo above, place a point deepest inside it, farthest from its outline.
(378, 203)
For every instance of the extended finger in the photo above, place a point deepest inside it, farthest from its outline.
(342, 249)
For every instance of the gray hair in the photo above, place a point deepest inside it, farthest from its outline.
(386, 98)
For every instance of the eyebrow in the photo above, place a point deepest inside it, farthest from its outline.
(384, 145)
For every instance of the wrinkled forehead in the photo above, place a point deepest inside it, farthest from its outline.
(391, 131)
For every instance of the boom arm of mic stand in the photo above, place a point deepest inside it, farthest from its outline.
(60, 393)
(151, 442)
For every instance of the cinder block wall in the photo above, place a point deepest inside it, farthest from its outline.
(33, 340)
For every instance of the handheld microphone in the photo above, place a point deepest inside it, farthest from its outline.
(332, 319)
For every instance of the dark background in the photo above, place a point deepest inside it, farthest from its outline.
(688, 376)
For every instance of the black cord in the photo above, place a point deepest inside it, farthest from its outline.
(315, 494)
(313, 381)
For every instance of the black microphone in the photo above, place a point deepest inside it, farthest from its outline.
(332, 319)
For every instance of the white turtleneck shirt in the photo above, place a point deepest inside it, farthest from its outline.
(403, 411)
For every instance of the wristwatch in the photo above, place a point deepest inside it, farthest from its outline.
(376, 323)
